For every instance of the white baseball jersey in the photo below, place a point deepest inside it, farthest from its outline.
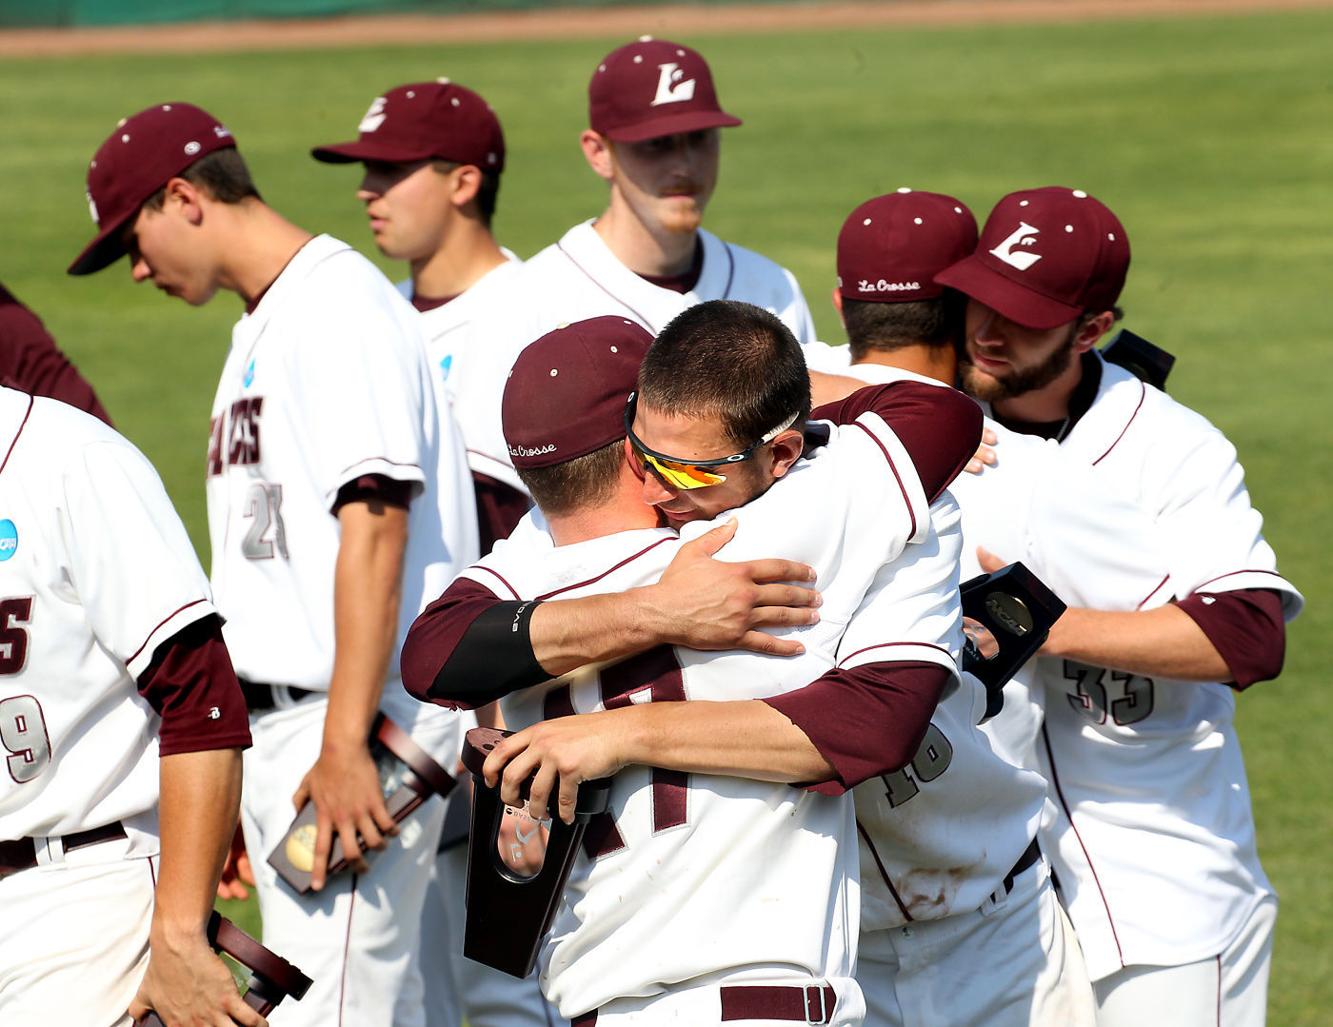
(451, 343)
(1154, 845)
(1045, 507)
(96, 571)
(694, 874)
(326, 381)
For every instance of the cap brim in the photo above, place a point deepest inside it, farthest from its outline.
(105, 249)
(672, 124)
(1021, 305)
(362, 149)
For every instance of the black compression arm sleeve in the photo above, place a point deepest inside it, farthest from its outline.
(492, 659)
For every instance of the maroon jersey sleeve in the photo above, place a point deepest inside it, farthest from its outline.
(375, 487)
(865, 721)
(31, 362)
(1247, 629)
(193, 688)
(499, 509)
(939, 427)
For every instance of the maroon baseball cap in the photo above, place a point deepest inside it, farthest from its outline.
(891, 248)
(652, 88)
(1045, 256)
(567, 391)
(423, 120)
(137, 159)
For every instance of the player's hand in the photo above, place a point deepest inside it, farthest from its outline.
(187, 985)
(521, 841)
(344, 785)
(236, 871)
(711, 604)
(985, 454)
(990, 563)
(561, 753)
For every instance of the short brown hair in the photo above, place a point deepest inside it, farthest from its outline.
(222, 174)
(577, 484)
(730, 360)
(885, 327)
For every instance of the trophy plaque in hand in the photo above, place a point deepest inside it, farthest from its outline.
(271, 979)
(408, 776)
(1017, 610)
(508, 915)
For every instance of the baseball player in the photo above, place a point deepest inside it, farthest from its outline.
(433, 154)
(654, 137)
(916, 605)
(1154, 841)
(31, 362)
(121, 725)
(338, 500)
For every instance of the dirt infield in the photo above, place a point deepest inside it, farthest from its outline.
(572, 23)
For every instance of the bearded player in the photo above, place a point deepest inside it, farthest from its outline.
(338, 500)
(1154, 843)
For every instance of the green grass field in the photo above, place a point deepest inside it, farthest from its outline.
(1210, 137)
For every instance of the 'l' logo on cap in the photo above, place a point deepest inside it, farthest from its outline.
(1023, 235)
(670, 88)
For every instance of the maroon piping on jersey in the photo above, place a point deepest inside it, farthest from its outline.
(1143, 392)
(131, 658)
(637, 316)
(865, 835)
(22, 424)
(1156, 588)
(1069, 815)
(499, 577)
(347, 945)
(596, 578)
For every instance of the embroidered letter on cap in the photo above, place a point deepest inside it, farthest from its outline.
(670, 88)
(1023, 235)
(374, 117)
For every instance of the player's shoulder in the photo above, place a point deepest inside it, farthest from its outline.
(746, 260)
(50, 437)
(1167, 423)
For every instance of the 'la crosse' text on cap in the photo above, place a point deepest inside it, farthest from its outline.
(424, 120)
(891, 248)
(566, 394)
(1045, 256)
(137, 159)
(652, 88)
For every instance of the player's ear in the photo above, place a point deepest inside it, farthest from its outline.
(1091, 329)
(184, 197)
(785, 451)
(837, 301)
(597, 152)
(466, 184)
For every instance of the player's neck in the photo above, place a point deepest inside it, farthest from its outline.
(937, 362)
(1049, 403)
(643, 248)
(258, 243)
(465, 257)
(624, 513)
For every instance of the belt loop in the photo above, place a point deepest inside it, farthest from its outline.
(823, 1004)
(48, 851)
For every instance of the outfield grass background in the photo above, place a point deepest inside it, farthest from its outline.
(1211, 138)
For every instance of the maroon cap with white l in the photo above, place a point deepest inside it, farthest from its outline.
(1045, 256)
(424, 120)
(652, 88)
(567, 391)
(137, 159)
(891, 248)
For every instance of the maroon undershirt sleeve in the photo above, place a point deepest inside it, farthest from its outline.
(499, 509)
(435, 634)
(31, 362)
(1247, 629)
(865, 721)
(376, 487)
(192, 686)
(939, 427)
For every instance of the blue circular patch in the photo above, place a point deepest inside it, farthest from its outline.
(9, 539)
